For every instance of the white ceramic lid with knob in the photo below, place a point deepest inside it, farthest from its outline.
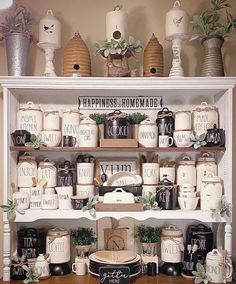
(172, 231)
(30, 106)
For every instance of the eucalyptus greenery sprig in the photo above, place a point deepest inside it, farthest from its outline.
(90, 206)
(225, 209)
(200, 275)
(211, 22)
(31, 275)
(20, 22)
(198, 141)
(121, 47)
(11, 208)
(35, 142)
(149, 202)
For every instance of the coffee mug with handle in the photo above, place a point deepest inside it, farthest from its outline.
(79, 267)
(165, 141)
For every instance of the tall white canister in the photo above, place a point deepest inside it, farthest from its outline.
(147, 133)
(186, 171)
(48, 171)
(88, 133)
(30, 118)
(70, 123)
(26, 170)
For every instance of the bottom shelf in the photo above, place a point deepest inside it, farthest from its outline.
(89, 279)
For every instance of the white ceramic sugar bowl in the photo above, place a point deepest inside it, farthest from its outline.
(211, 192)
(30, 117)
(148, 133)
(171, 244)
(26, 170)
(186, 171)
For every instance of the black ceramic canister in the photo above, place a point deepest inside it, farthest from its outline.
(166, 195)
(165, 122)
(17, 272)
(117, 126)
(215, 137)
(65, 174)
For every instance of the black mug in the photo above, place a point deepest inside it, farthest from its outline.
(215, 137)
(69, 141)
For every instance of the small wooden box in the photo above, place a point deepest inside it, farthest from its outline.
(118, 143)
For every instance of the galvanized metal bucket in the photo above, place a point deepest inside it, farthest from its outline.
(17, 49)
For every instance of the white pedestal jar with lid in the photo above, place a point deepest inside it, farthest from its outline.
(186, 171)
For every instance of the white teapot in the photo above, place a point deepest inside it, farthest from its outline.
(42, 266)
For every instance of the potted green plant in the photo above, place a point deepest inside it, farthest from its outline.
(148, 236)
(211, 27)
(16, 30)
(83, 238)
(100, 119)
(135, 119)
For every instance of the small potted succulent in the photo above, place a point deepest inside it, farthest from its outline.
(82, 238)
(100, 119)
(211, 27)
(148, 236)
(16, 30)
(135, 119)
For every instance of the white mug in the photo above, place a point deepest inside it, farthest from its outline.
(165, 141)
(22, 199)
(85, 173)
(64, 194)
(182, 138)
(79, 267)
(149, 189)
(150, 173)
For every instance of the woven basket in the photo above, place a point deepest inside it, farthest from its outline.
(76, 59)
(153, 61)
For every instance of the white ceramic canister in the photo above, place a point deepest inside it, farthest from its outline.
(58, 245)
(48, 171)
(41, 266)
(150, 173)
(51, 120)
(186, 171)
(171, 244)
(35, 202)
(204, 117)
(85, 189)
(148, 189)
(218, 267)
(22, 199)
(70, 123)
(183, 120)
(205, 166)
(211, 192)
(88, 133)
(64, 197)
(49, 201)
(26, 170)
(85, 173)
(148, 133)
(167, 172)
(30, 118)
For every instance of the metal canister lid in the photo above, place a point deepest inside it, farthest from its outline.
(26, 157)
(186, 160)
(172, 231)
(30, 106)
(117, 114)
(205, 157)
(57, 232)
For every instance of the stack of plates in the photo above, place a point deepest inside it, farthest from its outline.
(115, 258)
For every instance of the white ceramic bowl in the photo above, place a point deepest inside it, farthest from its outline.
(188, 203)
(182, 138)
(52, 138)
(187, 194)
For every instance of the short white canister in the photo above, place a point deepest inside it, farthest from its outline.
(211, 192)
(171, 244)
(88, 133)
(58, 245)
(186, 171)
(147, 133)
(30, 118)
(51, 120)
(70, 123)
(205, 165)
(48, 171)
(183, 120)
(26, 170)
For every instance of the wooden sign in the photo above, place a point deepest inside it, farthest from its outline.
(114, 275)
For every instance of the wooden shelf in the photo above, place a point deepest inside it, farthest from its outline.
(89, 279)
(117, 149)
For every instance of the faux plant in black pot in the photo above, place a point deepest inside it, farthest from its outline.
(148, 236)
(211, 27)
(83, 238)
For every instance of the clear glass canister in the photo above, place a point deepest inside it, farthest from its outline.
(186, 171)
(171, 244)
(205, 165)
(26, 170)
(48, 171)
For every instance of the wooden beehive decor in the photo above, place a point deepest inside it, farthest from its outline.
(153, 61)
(76, 61)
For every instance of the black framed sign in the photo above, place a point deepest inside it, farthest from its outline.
(114, 275)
